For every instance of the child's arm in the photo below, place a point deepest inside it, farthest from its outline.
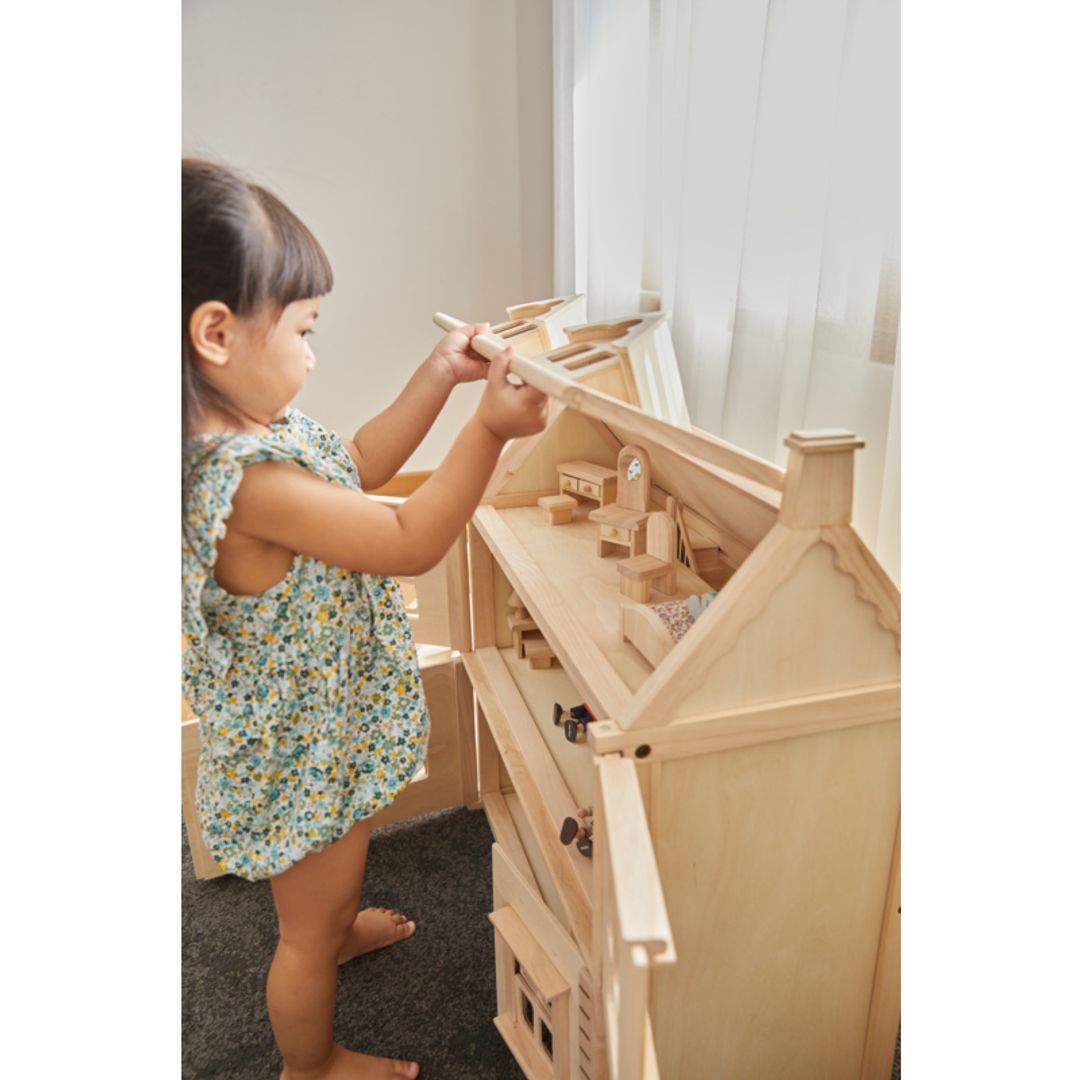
(382, 445)
(284, 505)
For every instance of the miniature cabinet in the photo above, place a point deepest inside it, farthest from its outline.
(706, 883)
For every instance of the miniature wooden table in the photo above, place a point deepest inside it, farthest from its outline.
(584, 478)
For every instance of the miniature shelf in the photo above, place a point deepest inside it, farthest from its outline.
(537, 781)
(540, 689)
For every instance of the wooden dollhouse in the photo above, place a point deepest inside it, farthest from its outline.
(698, 875)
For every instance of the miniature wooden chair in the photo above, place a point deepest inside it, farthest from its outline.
(622, 525)
(656, 567)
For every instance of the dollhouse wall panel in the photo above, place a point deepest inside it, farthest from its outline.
(815, 636)
(743, 508)
(575, 438)
(792, 842)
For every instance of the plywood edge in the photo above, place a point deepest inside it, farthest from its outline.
(735, 728)
(506, 836)
(578, 653)
(741, 600)
(402, 484)
(548, 980)
(639, 897)
(514, 888)
(203, 864)
(872, 583)
(883, 1021)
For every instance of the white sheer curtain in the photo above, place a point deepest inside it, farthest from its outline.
(740, 161)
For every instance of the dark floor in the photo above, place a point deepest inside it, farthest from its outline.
(431, 998)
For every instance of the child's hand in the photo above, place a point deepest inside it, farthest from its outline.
(454, 356)
(509, 411)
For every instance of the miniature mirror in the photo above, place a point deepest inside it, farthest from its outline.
(633, 470)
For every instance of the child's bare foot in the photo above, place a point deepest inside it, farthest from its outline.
(375, 928)
(347, 1065)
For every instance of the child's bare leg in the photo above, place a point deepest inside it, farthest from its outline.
(316, 903)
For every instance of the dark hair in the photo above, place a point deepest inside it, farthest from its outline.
(243, 246)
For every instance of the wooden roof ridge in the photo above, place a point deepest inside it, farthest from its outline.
(872, 583)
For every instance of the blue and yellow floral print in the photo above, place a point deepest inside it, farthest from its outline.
(311, 708)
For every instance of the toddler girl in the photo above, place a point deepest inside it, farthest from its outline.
(299, 660)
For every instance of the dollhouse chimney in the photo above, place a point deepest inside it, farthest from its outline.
(820, 478)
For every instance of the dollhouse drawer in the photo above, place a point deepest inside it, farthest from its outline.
(611, 532)
(569, 483)
(591, 490)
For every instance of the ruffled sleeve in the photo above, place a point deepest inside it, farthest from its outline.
(213, 468)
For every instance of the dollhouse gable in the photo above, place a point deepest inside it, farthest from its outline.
(790, 624)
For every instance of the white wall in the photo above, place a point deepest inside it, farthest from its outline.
(414, 139)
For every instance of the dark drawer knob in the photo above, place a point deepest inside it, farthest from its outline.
(575, 831)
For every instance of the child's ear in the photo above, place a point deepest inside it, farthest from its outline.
(213, 330)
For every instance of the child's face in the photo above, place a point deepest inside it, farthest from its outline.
(273, 359)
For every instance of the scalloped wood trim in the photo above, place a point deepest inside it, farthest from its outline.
(872, 584)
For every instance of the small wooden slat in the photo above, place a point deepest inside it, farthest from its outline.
(467, 737)
(519, 891)
(871, 582)
(576, 650)
(457, 587)
(539, 785)
(543, 974)
(202, 861)
(518, 498)
(532, 1062)
(639, 899)
(743, 598)
(626, 1049)
(487, 755)
(482, 589)
(506, 838)
(879, 1050)
(403, 484)
(769, 722)
(547, 378)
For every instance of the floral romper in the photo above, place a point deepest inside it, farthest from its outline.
(312, 714)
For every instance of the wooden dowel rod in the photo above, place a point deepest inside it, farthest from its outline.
(546, 378)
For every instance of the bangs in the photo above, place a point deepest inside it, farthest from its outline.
(291, 265)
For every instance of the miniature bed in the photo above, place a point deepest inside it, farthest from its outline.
(696, 861)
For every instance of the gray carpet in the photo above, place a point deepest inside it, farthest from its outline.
(430, 998)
